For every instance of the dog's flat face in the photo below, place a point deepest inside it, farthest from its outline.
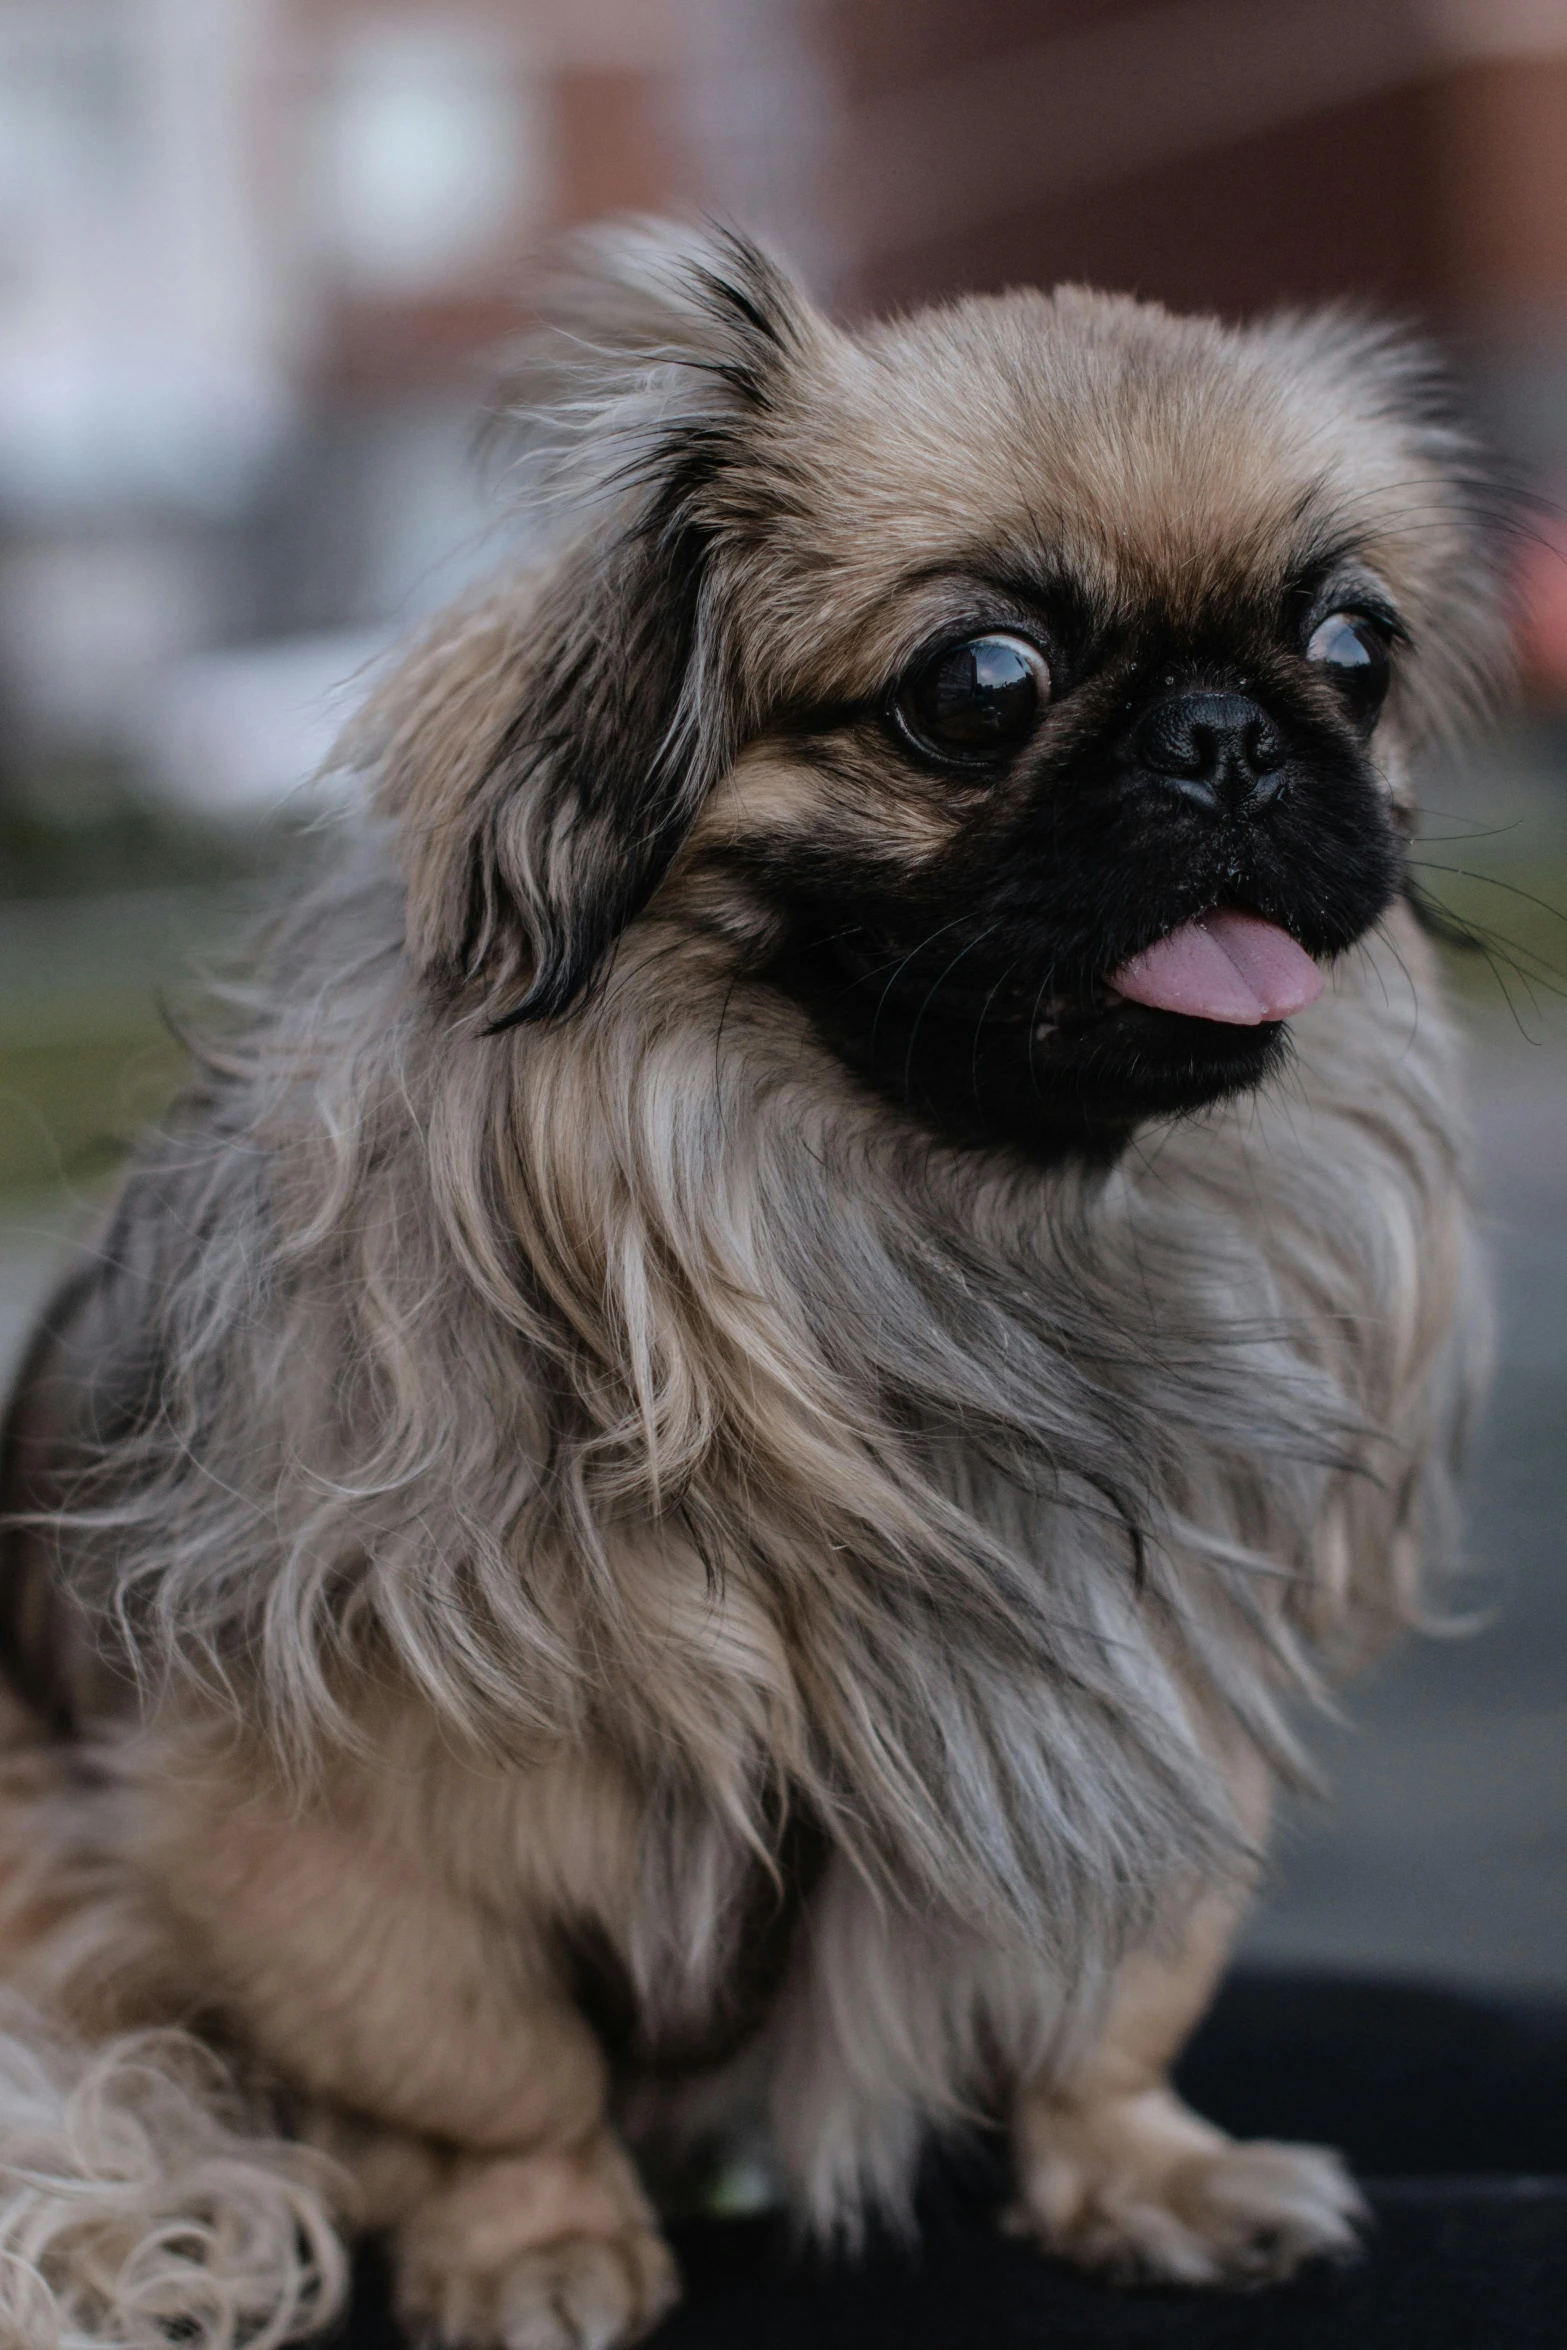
(1086, 772)
(1110, 785)
(1022, 689)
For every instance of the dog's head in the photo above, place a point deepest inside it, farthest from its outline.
(1023, 688)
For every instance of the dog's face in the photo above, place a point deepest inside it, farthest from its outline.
(1095, 782)
(1088, 698)
(1021, 690)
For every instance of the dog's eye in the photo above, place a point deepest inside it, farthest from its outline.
(976, 700)
(1354, 651)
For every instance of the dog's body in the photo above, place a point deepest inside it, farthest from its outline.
(654, 1501)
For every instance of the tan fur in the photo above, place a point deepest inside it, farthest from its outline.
(1114, 2171)
(622, 1499)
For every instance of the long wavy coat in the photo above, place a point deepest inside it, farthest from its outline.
(580, 1553)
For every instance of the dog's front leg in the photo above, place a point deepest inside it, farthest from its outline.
(1116, 2173)
(436, 2055)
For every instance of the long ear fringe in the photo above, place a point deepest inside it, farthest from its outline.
(645, 326)
(544, 756)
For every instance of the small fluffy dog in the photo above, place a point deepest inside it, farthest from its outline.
(706, 1464)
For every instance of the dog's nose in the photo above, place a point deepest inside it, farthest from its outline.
(1218, 749)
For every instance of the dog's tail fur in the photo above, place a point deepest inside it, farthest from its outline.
(147, 2195)
(142, 2205)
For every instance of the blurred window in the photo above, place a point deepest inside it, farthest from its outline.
(135, 354)
(67, 171)
(431, 156)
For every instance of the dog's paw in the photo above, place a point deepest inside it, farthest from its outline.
(579, 2293)
(1143, 2191)
(536, 2252)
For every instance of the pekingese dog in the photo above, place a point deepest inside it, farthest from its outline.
(820, 1280)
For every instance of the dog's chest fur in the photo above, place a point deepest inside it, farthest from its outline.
(944, 1652)
(679, 2020)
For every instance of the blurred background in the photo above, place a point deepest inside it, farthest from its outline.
(255, 256)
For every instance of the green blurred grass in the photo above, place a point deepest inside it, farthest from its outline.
(109, 906)
(87, 1055)
(76, 824)
(70, 1107)
(1516, 909)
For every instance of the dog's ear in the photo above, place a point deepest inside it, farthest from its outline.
(545, 750)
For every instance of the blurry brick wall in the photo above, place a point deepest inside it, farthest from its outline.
(1232, 155)
(1221, 153)
(596, 79)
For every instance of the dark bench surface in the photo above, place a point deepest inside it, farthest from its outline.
(1453, 2108)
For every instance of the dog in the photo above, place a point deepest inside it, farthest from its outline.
(822, 1278)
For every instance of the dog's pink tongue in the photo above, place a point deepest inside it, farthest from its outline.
(1224, 966)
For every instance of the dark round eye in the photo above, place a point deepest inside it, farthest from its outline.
(976, 700)
(1354, 651)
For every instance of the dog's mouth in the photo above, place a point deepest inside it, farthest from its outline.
(1227, 966)
(983, 1041)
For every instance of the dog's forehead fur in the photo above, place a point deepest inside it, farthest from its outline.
(1164, 466)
